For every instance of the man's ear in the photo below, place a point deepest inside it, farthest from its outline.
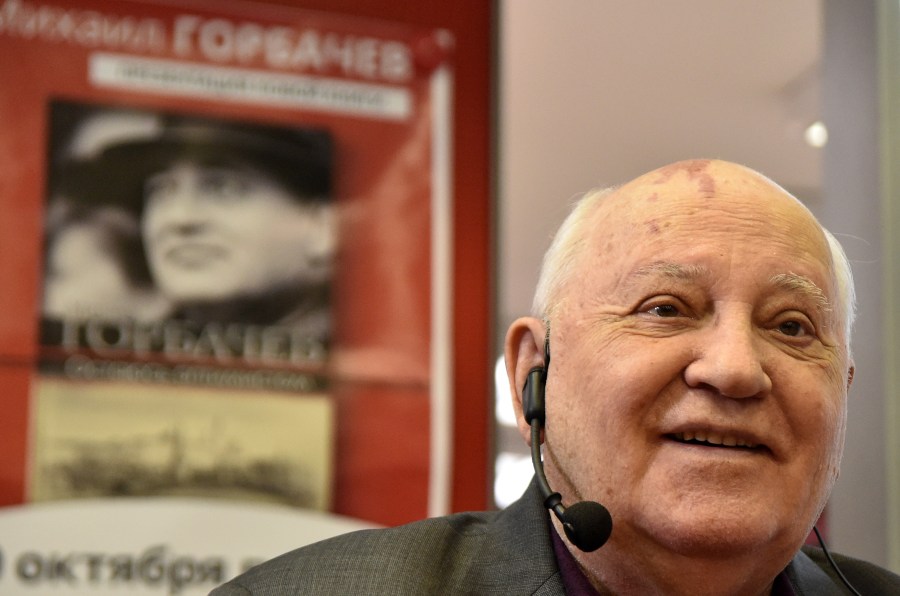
(523, 350)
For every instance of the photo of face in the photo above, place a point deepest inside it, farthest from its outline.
(234, 220)
(214, 232)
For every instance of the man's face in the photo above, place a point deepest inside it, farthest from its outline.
(698, 377)
(214, 233)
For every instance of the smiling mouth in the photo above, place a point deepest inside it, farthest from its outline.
(713, 439)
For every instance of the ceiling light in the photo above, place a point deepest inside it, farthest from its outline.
(816, 134)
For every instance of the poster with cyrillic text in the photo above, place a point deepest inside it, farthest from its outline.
(226, 276)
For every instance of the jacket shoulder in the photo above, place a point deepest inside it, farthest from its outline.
(866, 577)
(506, 552)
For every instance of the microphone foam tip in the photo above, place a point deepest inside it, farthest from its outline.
(588, 525)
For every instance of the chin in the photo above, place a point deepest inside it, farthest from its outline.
(720, 532)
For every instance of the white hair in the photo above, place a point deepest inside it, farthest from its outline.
(561, 257)
(843, 275)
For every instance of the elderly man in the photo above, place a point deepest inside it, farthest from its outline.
(691, 340)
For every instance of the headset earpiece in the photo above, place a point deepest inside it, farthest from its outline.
(533, 395)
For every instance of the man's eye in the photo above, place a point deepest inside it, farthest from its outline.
(792, 328)
(664, 310)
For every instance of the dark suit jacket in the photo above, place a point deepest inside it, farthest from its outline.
(487, 553)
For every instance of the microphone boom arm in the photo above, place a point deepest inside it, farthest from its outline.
(552, 500)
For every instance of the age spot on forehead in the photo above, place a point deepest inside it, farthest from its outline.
(696, 172)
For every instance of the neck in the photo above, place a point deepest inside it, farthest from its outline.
(629, 565)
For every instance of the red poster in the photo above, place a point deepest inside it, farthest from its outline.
(225, 272)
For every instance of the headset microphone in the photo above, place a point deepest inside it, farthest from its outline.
(587, 524)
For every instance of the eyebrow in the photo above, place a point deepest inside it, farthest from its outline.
(788, 282)
(791, 282)
(670, 270)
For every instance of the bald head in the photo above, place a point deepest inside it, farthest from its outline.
(683, 196)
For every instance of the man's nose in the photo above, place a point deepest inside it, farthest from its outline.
(729, 359)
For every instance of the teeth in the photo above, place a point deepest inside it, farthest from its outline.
(714, 438)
